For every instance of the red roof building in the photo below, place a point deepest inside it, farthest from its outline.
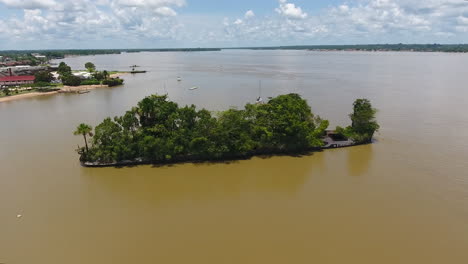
(16, 80)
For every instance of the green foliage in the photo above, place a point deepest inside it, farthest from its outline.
(41, 85)
(113, 82)
(158, 130)
(90, 82)
(364, 124)
(286, 123)
(7, 91)
(71, 80)
(98, 76)
(43, 77)
(90, 66)
(85, 130)
(38, 84)
(101, 75)
(64, 69)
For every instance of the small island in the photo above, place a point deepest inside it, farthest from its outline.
(158, 131)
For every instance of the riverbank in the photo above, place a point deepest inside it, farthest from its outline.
(75, 89)
(118, 74)
(26, 95)
(64, 89)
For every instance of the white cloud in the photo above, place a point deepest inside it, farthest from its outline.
(149, 3)
(290, 10)
(462, 20)
(29, 4)
(375, 17)
(165, 11)
(162, 21)
(364, 21)
(249, 14)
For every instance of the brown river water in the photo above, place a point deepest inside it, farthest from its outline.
(403, 199)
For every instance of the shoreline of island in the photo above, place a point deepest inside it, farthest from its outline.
(141, 162)
(160, 132)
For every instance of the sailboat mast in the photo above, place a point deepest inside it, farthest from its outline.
(260, 88)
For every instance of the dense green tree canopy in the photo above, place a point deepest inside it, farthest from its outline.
(90, 66)
(113, 82)
(364, 124)
(71, 80)
(43, 76)
(158, 130)
(64, 69)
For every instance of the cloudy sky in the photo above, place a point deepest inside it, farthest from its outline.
(38, 24)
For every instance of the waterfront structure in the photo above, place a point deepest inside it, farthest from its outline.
(16, 80)
(83, 75)
(23, 70)
(39, 56)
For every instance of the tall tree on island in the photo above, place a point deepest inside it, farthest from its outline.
(363, 119)
(84, 129)
(363, 125)
(90, 66)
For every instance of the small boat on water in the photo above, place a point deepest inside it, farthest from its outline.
(193, 88)
(259, 98)
(179, 79)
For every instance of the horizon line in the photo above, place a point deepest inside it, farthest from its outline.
(243, 47)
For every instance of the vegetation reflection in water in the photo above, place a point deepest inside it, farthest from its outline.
(159, 131)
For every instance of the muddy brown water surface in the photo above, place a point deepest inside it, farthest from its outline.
(403, 199)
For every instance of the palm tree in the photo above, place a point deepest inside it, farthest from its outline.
(83, 129)
(105, 74)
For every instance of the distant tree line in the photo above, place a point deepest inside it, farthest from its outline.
(376, 47)
(60, 54)
(19, 55)
(159, 131)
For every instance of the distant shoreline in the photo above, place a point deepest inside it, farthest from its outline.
(26, 95)
(64, 89)
(61, 53)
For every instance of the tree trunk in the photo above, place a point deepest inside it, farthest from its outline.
(86, 143)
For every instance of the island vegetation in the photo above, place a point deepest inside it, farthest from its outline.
(159, 131)
(363, 124)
